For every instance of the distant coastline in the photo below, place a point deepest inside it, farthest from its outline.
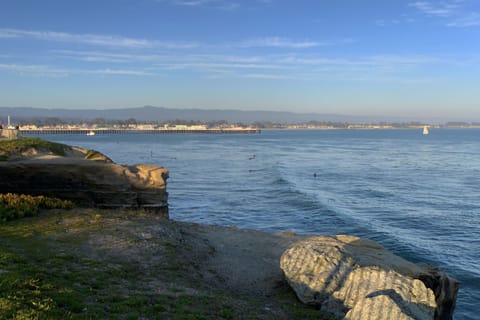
(92, 131)
(149, 129)
(157, 120)
(160, 116)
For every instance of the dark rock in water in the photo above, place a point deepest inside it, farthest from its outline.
(354, 278)
(88, 183)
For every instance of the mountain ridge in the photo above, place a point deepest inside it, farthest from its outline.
(164, 114)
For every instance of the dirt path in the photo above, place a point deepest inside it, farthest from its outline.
(245, 261)
(241, 262)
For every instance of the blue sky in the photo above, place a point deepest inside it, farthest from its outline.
(413, 59)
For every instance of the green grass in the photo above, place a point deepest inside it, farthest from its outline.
(41, 280)
(16, 206)
(14, 147)
(46, 273)
(44, 289)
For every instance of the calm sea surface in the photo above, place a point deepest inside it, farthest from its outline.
(417, 195)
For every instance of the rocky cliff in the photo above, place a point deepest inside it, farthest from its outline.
(86, 177)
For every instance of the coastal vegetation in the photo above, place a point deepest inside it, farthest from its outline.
(15, 206)
(9, 148)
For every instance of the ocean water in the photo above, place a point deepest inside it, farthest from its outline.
(417, 195)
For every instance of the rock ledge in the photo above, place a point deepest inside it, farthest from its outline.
(86, 177)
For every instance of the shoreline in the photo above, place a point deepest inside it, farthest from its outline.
(93, 131)
(163, 257)
(91, 263)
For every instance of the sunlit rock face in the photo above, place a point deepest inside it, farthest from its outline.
(8, 134)
(88, 183)
(354, 278)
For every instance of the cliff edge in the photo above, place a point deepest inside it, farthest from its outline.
(86, 177)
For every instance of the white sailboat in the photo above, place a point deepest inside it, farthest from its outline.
(91, 133)
(425, 130)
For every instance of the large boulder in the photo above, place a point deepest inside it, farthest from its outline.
(88, 183)
(355, 278)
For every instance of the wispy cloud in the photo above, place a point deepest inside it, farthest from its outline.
(277, 42)
(269, 67)
(191, 2)
(469, 20)
(287, 62)
(125, 72)
(217, 4)
(107, 57)
(222, 67)
(266, 76)
(97, 40)
(93, 39)
(376, 63)
(45, 70)
(298, 66)
(195, 3)
(292, 60)
(198, 62)
(438, 9)
(34, 69)
(455, 12)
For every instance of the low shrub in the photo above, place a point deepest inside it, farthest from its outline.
(16, 206)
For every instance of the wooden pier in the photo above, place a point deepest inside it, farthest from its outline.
(139, 131)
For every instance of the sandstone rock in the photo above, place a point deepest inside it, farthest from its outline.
(8, 134)
(88, 183)
(359, 279)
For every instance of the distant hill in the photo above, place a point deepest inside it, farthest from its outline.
(161, 114)
(149, 113)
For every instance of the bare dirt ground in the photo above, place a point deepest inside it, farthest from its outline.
(241, 264)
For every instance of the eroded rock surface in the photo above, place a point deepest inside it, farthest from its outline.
(355, 278)
(89, 179)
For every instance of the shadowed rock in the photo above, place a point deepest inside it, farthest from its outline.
(355, 278)
(87, 178)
